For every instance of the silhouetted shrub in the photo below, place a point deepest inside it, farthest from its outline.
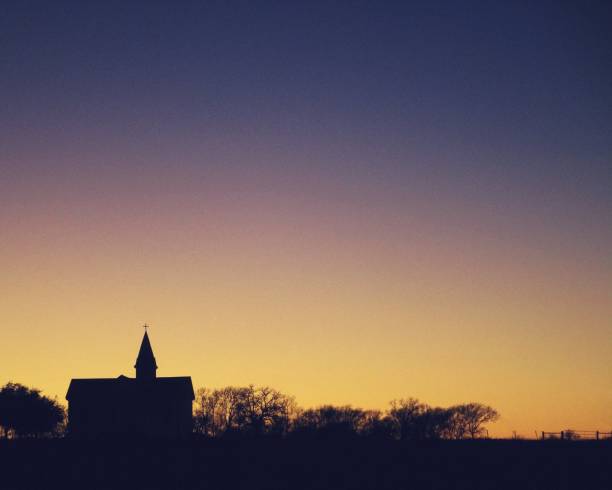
(24, 412)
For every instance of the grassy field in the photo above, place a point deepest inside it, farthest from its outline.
(306, 464)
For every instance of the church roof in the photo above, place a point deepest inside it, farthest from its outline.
(121, 387)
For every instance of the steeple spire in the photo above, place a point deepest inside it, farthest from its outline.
(145, 362)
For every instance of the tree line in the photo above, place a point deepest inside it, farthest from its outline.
(263, 411)
(257, 411)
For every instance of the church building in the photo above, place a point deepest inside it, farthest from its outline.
(146, 405)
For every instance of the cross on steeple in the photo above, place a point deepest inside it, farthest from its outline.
(145, 326)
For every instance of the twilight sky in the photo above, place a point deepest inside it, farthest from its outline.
(349, 201)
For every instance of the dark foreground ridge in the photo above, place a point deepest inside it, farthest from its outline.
(305, 464)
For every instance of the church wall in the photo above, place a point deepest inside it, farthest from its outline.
(150, 416)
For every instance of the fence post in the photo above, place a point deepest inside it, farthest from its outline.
(542, 435)
(561, 435)
(597, 435)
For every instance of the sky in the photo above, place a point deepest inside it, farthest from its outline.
(351, 202)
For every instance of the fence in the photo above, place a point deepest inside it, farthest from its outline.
(572, 435)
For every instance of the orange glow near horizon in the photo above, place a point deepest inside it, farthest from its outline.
(345, 302)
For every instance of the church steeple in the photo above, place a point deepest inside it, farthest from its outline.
(145, 362)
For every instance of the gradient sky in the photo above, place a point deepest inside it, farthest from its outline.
(349, 201)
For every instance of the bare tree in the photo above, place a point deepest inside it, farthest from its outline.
(434, 423)
(243, 409)
(405, 413)
(206, 414)
(331, 420)
(418, 421)
(272, 410)
(375, 424)
(469, 419)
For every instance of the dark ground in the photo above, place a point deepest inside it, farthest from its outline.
(305, 464)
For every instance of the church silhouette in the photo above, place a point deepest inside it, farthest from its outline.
(143, 406)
